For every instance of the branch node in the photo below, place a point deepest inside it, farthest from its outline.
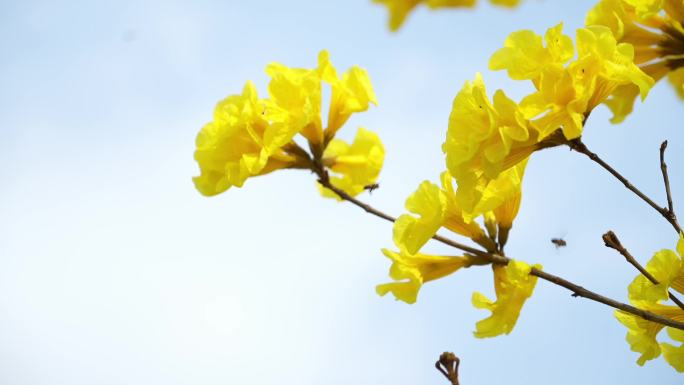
(448, 365)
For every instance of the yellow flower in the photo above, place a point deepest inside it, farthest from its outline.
(484, 139)
(455, 219)
(295, 98)
(436, 207)
(654, 29)
(667, 267)
(565, 96)
(525, 57)
(251, 136)
(429, 203)
(674, 355)
(239, 143)
(358, 165)
(642, 334)
(502, 196)
(399, 9)
(411, 271)
(351, 93)
(513, 285)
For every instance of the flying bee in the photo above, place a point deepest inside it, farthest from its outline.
(371, 187)
(559, 242)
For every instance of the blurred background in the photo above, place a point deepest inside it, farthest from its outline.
(114, 270)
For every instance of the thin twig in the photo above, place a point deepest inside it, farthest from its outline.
(580, 147)
(611, 240)
(666, 180)
(578, 291)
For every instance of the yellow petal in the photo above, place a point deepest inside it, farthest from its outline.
(237, 144)
(429, 203)
(642, 334)
(354, 166)
(674, 355)
(513, 284)
(665, 266)
(411, 271)
(676, 78)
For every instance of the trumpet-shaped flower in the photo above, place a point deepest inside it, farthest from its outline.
(295, 100)
(411, 271)
(351, 93)
(513, 285)
(354, 166)
(654, 29)
(239, 143)
(484, 140)
(435, 207)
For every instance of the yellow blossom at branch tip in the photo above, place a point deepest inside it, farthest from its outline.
(354, 166)
(513, 286)
(484, 139)
(238, 143)
(412, 271)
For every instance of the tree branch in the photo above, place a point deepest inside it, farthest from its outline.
(611, 240)
(666, 180)
(578, 291)
(325, 182)
(580, 147)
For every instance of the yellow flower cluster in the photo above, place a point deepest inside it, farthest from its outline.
(487, 146)
(654, 28)
(250, 136)
(667, 267)
(434, 207)
(487, 138)
(399, 9)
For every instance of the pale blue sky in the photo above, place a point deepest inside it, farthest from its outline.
(114, 270)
